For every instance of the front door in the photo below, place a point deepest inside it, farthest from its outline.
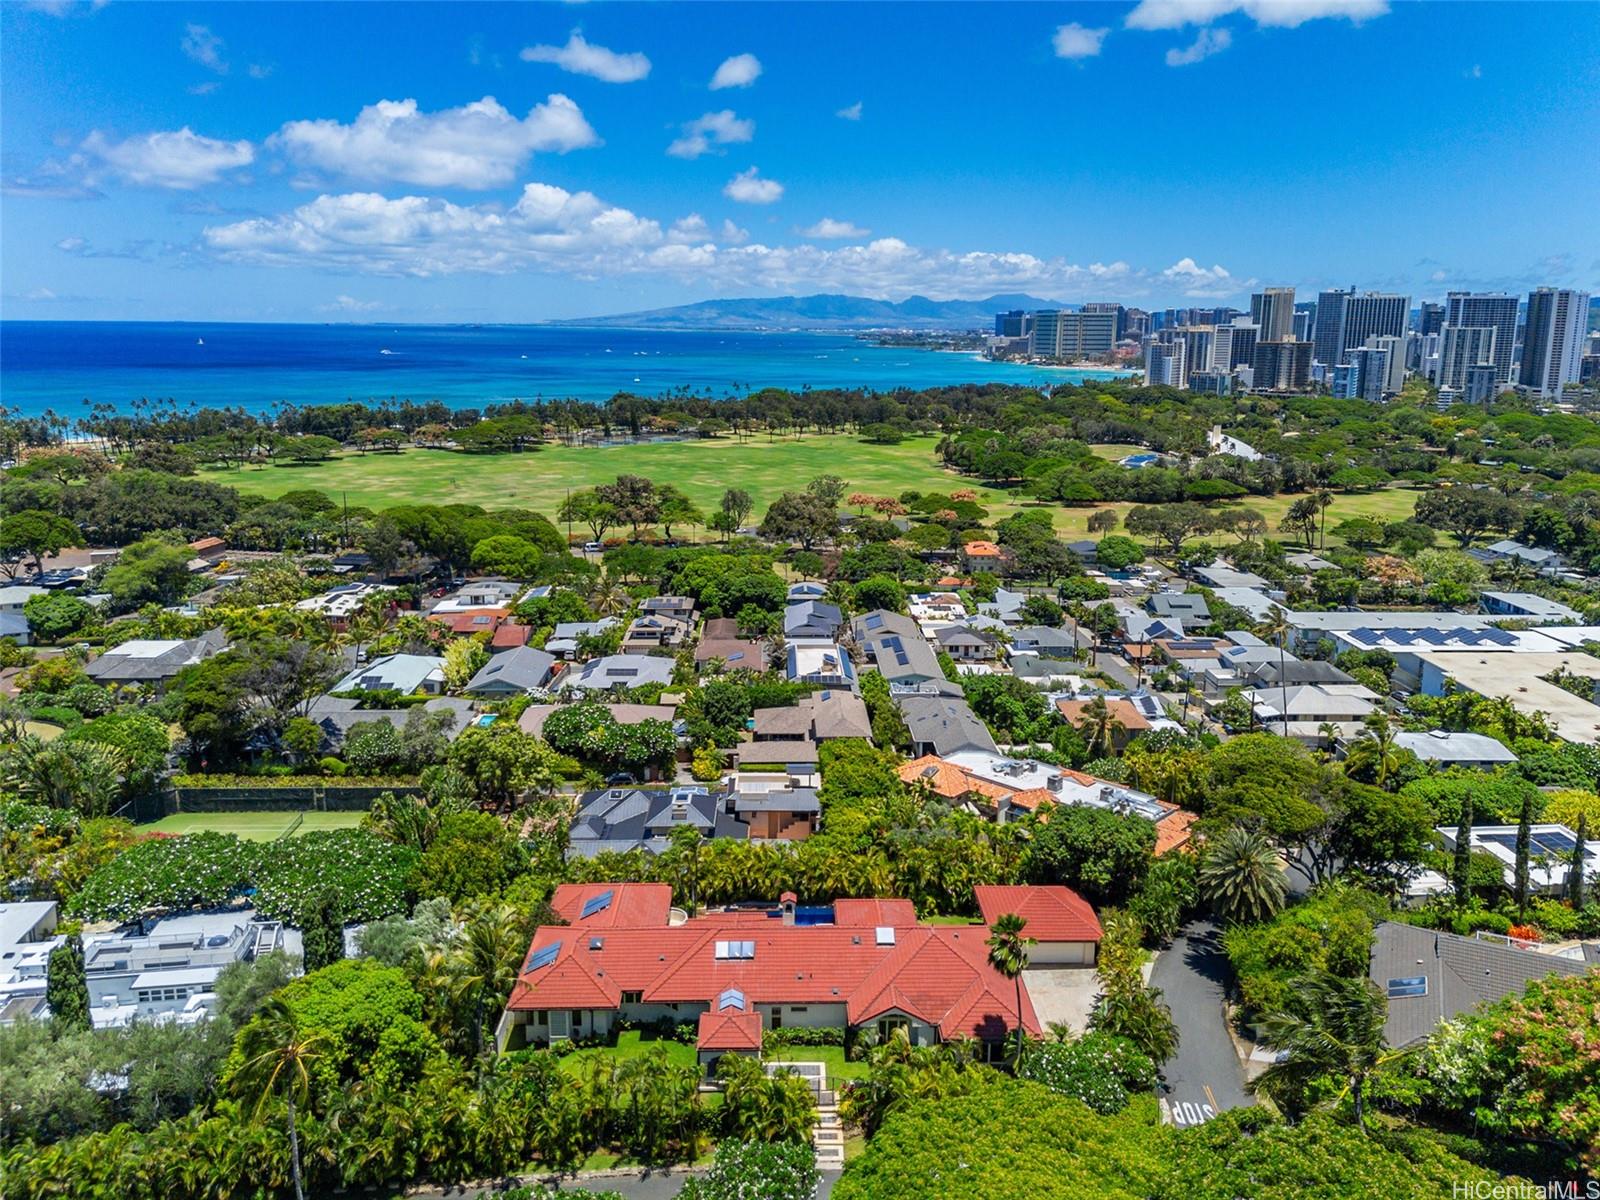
(560, 1024)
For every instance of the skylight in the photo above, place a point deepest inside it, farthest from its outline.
(1411, 985)
(885, 935)
(730, 950)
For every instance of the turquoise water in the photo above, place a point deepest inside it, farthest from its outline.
(66, 365)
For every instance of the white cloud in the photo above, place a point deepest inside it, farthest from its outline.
(1202, 282)
(575, 234)
(713, 129)
(829, 228)
(478, 145)
(1287, 14)
(747, 187)
(1074, 41)
(204, 89)
(737, 72)
(585, 58)
(259, 70)
(42, 293)
(851, 112)
(1206, 43)
(349, 304)
(204, 47)
(179, 159)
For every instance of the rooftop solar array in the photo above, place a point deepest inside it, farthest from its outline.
(1549, 842)
(1434, 637)
(596, 904)
(543, 957)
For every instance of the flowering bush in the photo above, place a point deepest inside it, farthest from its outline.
(1099, 1069)
(203, 870)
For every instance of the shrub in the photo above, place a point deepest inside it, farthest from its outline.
(748, 1170)
(801, 1035)
(1099, 1069)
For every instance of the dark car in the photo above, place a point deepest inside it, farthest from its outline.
(620, 779)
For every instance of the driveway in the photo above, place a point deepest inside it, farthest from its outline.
(1062, 994)
(1203, 1077)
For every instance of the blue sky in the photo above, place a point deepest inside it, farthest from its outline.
(464, 162)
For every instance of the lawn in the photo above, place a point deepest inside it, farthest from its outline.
(253, 826)
(632, 1044)
(703, 469)
(837, 1065)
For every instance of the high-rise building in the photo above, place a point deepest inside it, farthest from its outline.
(1273, 311)
(1116, 309)
(1199, 341)
(1398, 349)
(1494, 310)
(1553, 342)
(1135, 323)
(1480, 384)
(1305, 316)
(1328, 334)
(1375, 371)
(1242, 340)
(1163, 364)
(1013, 324)
(1073, 335)
(1282, 366)
(1430, 318)
(1374, 314)
(1465, 346)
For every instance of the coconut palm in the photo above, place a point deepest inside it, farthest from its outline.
(1375, 750)
(1330, 1025)
(276, 1052)
(1008, 954)
(1101, 726)
(607, 597)
(1277, 628)
(484, 961)
(1240, 875)
(1328, 733)
(85, 777)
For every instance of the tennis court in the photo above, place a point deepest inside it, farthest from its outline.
(255, 826)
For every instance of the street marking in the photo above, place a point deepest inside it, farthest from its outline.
(1211, 1097)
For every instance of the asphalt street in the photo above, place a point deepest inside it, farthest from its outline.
(1204, 1076)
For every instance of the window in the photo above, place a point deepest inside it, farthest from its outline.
(796, 1008)
(632, 997)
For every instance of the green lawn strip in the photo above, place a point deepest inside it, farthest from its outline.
(253, 826)
(632, 1044)
(836, 1064)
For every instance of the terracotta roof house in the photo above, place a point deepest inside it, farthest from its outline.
(626, 955)
(1125, 712)
(720, 640)
(982, 556)
(470, 621)
(509, 637)
(1065, 931)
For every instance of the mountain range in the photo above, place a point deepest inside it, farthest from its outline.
(824, 312)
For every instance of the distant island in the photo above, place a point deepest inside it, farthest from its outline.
(823, 311)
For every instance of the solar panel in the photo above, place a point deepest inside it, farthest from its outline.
(1554, 843)
(1411, 985)
(732, 998)
(543, 957)
(874, 621)
(596, 904)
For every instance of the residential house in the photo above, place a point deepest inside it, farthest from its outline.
(565, 640)
(1528, 605)
(1221, 574)
(896, 650)
(1129, 717)
(1253, 601)
(339, 604)
(819, 661)
(1545, 562)
(1006, 607)
(617, 671)
(1523, 679)
(983, 556)
(13, 596)
(967, 645)
(935, 608)
(534, 716)
(509, 636)
(812, 619)
(169, 972)
(209, 550)
(1310, 707)
(1043, 640)
(512, 673)
(776, 808)
(1311, 564)
(678, 608)
(806, 589)
(1051, 674)
(1190, 608)
(1430, 977)
(720, 640)
(407, 674)
(1193, 655)
(620, 819)
(1086, 551)
(15, 626)
(337, 715)
(153, 662)
(780, 761)
(1550, 852)
(480, 593)
(1451, 749)
(469, 622)
(942, 725)
(656, 633)
(1060, 923)
(1266, 671)
(27, 936)
(1313, 627)
(625, 955)
(817, 717)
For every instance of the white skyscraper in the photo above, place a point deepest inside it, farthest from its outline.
(1163, 364)
(1273, 311)
(1552, 345)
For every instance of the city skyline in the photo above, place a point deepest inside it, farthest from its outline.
(484, 163)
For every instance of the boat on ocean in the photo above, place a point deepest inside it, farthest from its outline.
(385, 351)
(199, 341)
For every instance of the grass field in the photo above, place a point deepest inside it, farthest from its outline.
(703, 469)
(632, 1044)
(254, 826)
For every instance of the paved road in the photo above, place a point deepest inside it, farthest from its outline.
(1204, 1077)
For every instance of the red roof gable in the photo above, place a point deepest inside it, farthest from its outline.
(509, 637)
(863, 913)
(635, 904)
(730, 1029)
(1053, 914)
(479, 620)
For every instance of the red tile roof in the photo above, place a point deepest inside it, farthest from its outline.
(1053, 914)
(730, 1029)
(939, 975)
(1126, 713)
(1174, 830)
(509, 637)
(478, 620)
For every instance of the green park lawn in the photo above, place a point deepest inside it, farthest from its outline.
(704, 470)
(253, 826)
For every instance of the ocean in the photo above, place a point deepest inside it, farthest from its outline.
(66, 366)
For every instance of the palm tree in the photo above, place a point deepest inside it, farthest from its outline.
(85, 777)
(608, 598)
(276, 1052)
(484, 961)
(1101, 725)
(1328, 732)
(1330, 1025)
(1008, 954)
(1376, 749)
(1276, 628)
(1239, 873)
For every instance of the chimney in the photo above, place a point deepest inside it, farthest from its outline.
(786, 902)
